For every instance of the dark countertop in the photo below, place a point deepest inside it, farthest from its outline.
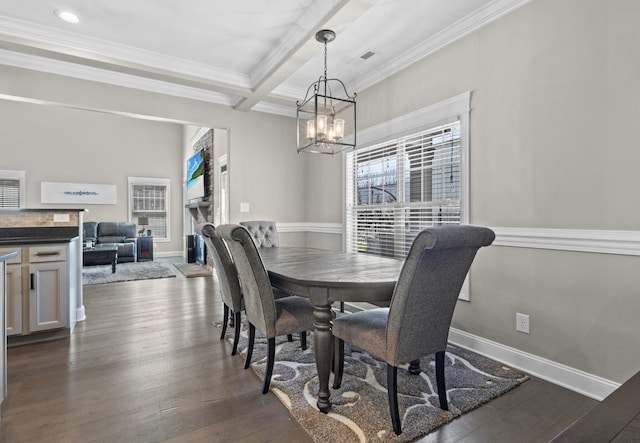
(14, 210)
(37, 235)
(15, 241)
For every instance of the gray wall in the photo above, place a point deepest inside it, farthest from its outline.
(58, 144)
(555, 99)
(554, 103)
(42, 138)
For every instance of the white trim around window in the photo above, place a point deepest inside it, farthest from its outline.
(164, 209)
(457, 107)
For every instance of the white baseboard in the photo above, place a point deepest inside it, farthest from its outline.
(169, 254)
(554, 372)
(80, 314)
(562, 375)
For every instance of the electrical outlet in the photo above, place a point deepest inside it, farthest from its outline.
(522, 323)
(244, 207)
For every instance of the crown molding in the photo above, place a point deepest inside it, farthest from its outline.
(271, 108)
(102, 50)
(472, 22)
(58, 67)
(456, 31)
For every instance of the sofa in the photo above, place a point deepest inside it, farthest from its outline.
(120, 234)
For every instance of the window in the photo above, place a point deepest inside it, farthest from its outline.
(412, 179)
(12, 189)
(149, 197)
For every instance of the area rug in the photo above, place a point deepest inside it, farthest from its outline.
(96, 275)
(360, 411)
(190, 270)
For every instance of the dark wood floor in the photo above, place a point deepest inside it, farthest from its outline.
(147, 366)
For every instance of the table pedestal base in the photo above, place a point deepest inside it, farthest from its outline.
(323, 347)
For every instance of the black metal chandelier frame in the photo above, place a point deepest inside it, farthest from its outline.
(326, 124)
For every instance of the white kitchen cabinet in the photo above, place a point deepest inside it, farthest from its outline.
(38, 282)
(48, 287)
(4, 257)
(14, 291)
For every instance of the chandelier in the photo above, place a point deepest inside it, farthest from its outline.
(326, 118)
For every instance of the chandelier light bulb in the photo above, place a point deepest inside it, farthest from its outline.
(338, 128)
(321, 125)
(311, 129)
(331, 133)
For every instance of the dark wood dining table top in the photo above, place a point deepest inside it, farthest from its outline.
(347, 276)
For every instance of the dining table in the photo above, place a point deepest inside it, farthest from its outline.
(325, 277)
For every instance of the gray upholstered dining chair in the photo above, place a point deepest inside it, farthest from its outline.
(271, 316)
(228, 280)
(264, 233)
(417, 322)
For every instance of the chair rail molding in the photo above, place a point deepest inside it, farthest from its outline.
(578, 240)
(322, 228)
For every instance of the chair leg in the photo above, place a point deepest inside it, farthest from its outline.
(338, 362)
(236, 332)
(442, 390)
(271, 356)
(252, 336)
(289, 337)
(392, 390)
(225, 317)
(303, 340)
(341, 306)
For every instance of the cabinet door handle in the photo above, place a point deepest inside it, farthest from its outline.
(46, 254)
(31, 278)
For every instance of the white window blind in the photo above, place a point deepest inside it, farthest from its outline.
(149, 198)
(9, 193)
(12, 184)
(397, 188)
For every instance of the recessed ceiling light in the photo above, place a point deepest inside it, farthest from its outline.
(67, 16)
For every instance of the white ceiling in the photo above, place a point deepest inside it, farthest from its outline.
(248, 54)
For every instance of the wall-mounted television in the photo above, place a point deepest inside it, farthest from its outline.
(196, 173)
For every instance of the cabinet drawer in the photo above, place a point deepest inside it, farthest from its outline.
(38, 254)
(17, 258)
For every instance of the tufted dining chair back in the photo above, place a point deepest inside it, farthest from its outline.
(264, 233)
